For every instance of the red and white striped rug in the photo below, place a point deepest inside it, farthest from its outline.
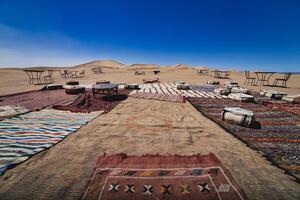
(169, 92)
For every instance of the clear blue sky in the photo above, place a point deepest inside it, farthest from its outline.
(253, 34)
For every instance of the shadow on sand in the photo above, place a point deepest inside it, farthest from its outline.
(118, 97)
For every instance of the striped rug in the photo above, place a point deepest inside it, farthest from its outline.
(25, 135)
(171, 89)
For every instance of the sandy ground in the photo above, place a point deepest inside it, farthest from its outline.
(138, 127)
(12, 81)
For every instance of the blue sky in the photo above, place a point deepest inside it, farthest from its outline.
(240, 34)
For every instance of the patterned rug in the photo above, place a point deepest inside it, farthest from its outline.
(119, 177)
(171, 89)
(25, 135)
(35, 100)
(87, 103)
(8, 111)
(283, 106)
(278, 138)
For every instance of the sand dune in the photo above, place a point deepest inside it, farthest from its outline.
(102, 63)
(182, 66)
(177, 66)
(142, 66)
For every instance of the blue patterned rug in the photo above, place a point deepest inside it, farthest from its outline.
(25, 135)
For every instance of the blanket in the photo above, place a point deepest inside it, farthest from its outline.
(277, 136)
(25, 135)
(171, 89)
(175, 177)
(88, 103)
(35, 100)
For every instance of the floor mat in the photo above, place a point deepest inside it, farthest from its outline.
(161, 177)
(284, 106)
(278, 137)
(8, 111)
(88, 103)
(25, 135)
(35, 100)
(171, 89)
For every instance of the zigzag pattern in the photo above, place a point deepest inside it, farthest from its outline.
(171, 89)
(25, 135)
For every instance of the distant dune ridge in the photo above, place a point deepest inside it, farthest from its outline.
(142, 66)
(112, 64)
(182, 66)
(178, 66)
(102, 63)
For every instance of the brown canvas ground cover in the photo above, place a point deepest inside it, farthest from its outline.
(161, 177)
(159, 97)
(35, 100)
(278, 136)
(88, 103)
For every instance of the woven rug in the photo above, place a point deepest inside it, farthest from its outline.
(35, 100)
(8, 111)
(161, 177)
(278, 138)
(283, 106)
(87, 103)
(23, 136)
(171, 89)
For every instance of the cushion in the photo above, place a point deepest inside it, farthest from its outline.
(274, 94)
(179, 82)
(132, 86)
(213, 82)
(290, 98)
(222, 91)
(183, 87)
(54, 86)
(73, 90)
(238, 116)
(239, 90)
(241, 97)
(231, 83)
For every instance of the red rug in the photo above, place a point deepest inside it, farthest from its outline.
(154, 177)
(278, 133)
(35, 100)
(87, 103)
(283, 106)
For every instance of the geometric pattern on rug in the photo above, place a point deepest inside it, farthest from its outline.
(101, 102)
(161, 177)
(37, 99)
(25, 135)
(171, 89)
(7, 111)
(278, 138)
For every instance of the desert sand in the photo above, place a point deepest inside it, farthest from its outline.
(16, 80)
(138, 127)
